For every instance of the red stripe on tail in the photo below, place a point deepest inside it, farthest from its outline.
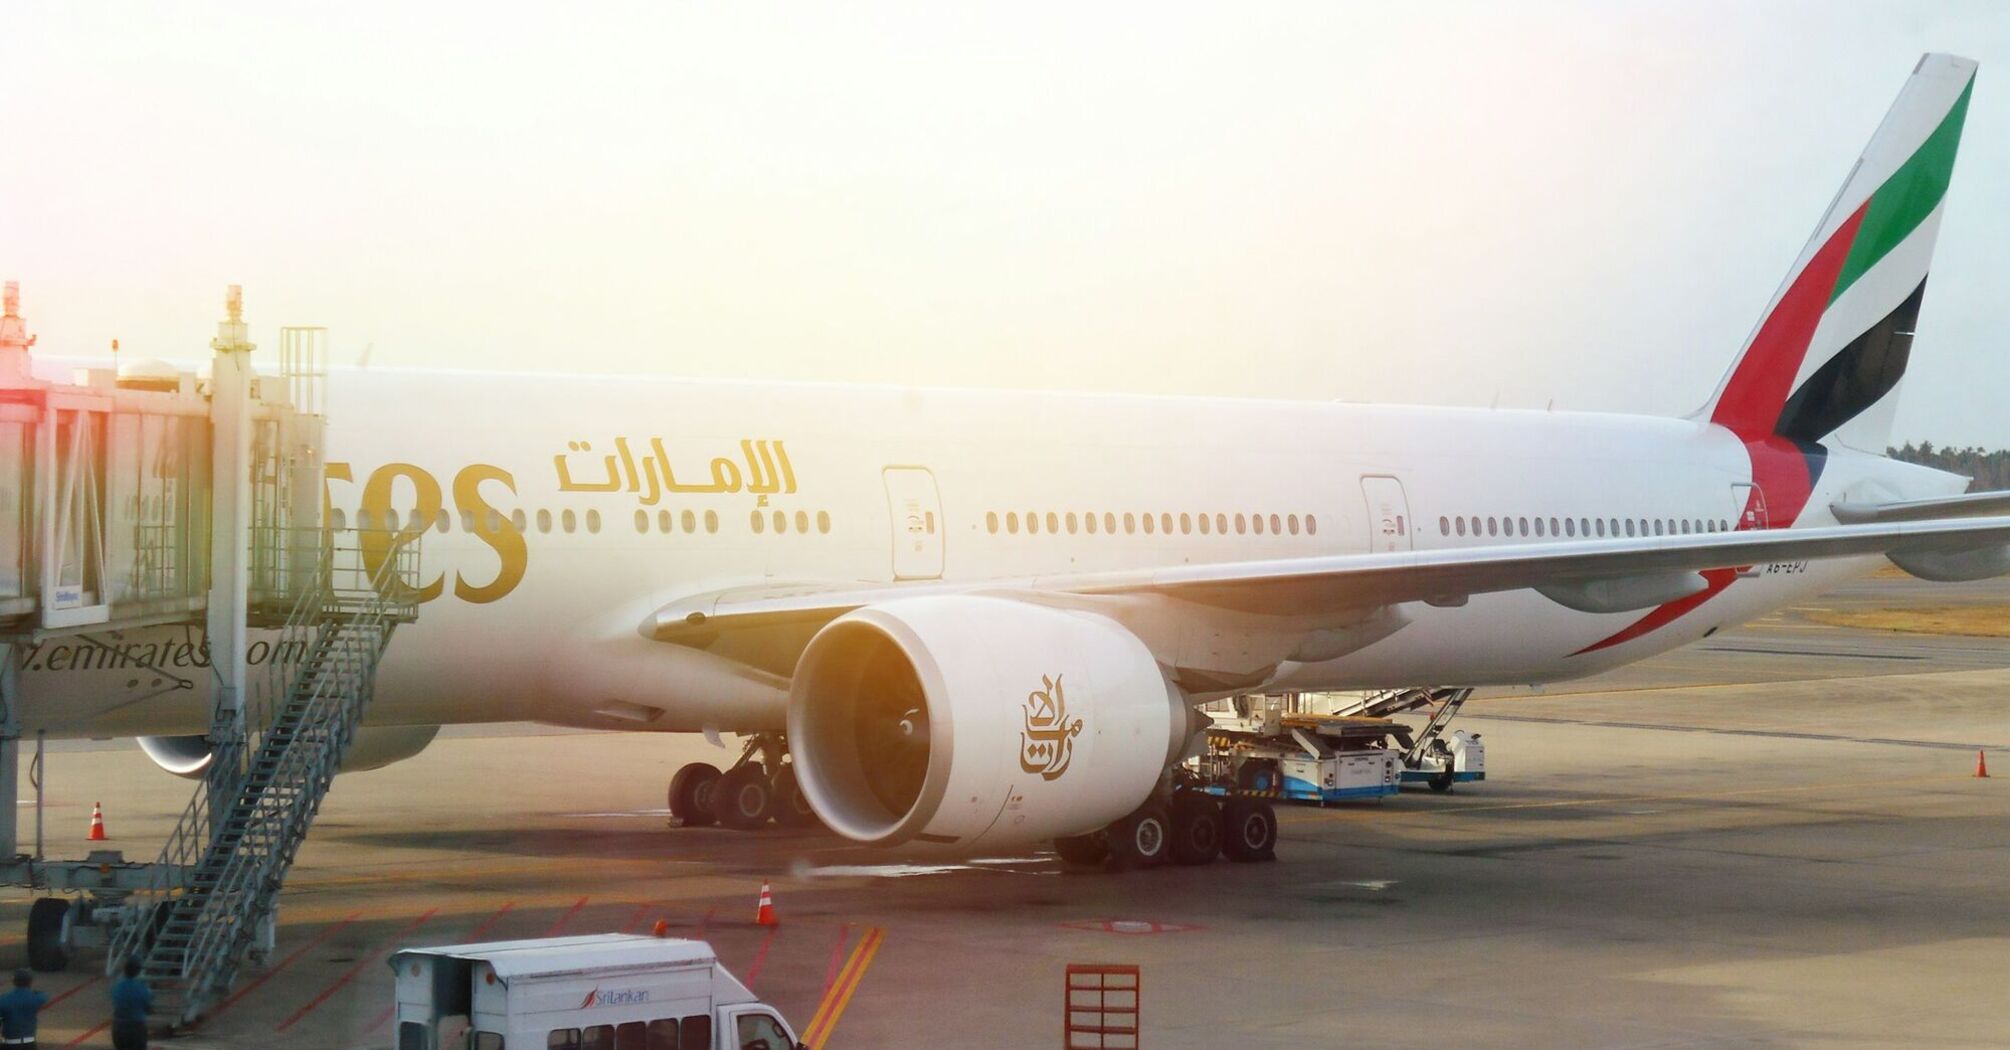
(1758, 389)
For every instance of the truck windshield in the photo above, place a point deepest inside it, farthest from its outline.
(763, 1032)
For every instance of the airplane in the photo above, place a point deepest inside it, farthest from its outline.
(971, 620)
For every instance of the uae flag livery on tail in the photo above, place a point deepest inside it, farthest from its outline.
(1825, 362)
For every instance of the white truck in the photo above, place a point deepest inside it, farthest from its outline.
(609, 991)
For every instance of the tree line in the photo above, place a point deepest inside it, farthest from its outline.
(1991, 470)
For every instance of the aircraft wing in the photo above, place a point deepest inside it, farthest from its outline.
(1967, 505)
(767, 624)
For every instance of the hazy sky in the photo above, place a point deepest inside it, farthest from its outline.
(1445, 203)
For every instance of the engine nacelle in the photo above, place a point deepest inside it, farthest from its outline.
(374, 748)
(962, 722)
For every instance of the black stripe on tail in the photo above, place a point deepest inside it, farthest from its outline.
(1854, 379)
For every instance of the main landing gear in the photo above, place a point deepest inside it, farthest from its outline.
(758, 788)
(1184, 826)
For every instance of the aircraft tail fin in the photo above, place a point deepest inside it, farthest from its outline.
(1825, 361)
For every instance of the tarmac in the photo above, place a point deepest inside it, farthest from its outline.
(1771, 839)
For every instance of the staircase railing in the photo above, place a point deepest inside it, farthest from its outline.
(229, 853)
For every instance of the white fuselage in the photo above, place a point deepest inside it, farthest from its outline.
(874, 484)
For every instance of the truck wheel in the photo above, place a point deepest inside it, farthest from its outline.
(1196, 828)
(791, 806)
(1251, 830)
(46, 919)
(691, 794)
(742, 798)
(1083, 851)
(1441, 782)
(1258, 774)
(1141, 840)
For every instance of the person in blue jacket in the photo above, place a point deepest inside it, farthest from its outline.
(132, 1001)
(18, 1012)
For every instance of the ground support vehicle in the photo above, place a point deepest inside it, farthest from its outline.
(596, 992)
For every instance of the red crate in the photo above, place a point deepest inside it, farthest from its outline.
(1100, 1008)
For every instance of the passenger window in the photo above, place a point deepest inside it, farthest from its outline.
(486, 1041)
(1089, 520)
(337, 519)
(1241, 524)
(1206, 525)
(1032, 523)
(1275, 531)
(663, 522)
(1256, 523)
(599, 1037)
(1012, 522)
(411, 1035)
(1493, 526)
(823, 521)
(802, 521)
(593, 521)
(631, 1036)
(1629, 527)
(755, 520)
(1292, 521)
(711, 521)
(566, 520)
(440, 521)
(1524, 526)
(1444, 526)
(1312, 525)
(1072, 522)
(1185, 524)
(781, 523)
(1462, 525)
(991, 521)
(1538, 526)
(641, 521)
(1601, 528)
(762, 1032)
(1165, 524)
(695, 1031)
(1569, 527)
(1130, 523)
(1151, 524)
(1053, 523)
(689, 519)
(1552, 528)
(563, 1039)
(663, 1035)
(1221, 524)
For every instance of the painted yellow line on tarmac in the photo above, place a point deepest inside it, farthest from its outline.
(832, 1008)
(1835, 785)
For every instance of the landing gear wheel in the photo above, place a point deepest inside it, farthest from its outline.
(792, 808)
(46, 919)
(1141, 840)
(1250, 830)
(1196, 829)
(691, 793)
(742, 797)
(1084, 851)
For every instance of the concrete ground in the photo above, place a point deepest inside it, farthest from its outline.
(1772, 839)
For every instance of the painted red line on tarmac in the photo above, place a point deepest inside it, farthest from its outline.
(350, 974)
(706, 921)
(636, 919)
(837, 957)
(476, 933)
(68, 992)
(760, 957)
(567, 917)
(326, 932)
(101, 1027)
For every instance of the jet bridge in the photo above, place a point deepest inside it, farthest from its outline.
(143, 497)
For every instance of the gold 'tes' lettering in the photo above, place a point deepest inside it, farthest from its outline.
(382, 495)
(378, 542)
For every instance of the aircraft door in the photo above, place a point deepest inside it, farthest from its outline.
(915, 511)
(1749, 503)
(1389, 524)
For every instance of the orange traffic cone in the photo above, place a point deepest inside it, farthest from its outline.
(1981, 764)
(97, 822)
(765, 916)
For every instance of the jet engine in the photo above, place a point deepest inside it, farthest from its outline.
(374, 748)
(963, 721)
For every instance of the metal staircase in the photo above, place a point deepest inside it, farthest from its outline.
(223, 865)
(1386, 703)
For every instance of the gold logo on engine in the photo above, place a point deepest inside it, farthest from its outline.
(1047, 743)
